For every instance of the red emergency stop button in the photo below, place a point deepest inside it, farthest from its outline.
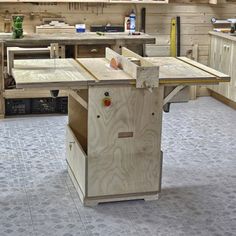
(106, 102)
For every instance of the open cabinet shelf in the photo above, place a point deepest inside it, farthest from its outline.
(98, 1)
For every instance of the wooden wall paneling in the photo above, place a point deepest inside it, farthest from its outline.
(195, 24)
(213, 1)
(186, 29)
(220, 9)
(156, 50)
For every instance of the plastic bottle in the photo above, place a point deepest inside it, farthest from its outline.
(132, 18)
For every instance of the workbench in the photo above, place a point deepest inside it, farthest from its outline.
(113, 143)
(74, 45)
(87, 38)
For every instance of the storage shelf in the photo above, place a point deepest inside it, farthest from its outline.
(140, 1)
(20, 93)
(93, 1)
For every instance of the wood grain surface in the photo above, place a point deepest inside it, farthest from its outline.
(78, 39)
(49, 72)
(76, 158)
(218, 74)
(145, 73)
(78, 121)
(223, 35)
(68, 73)
(1, 79)
(124, 165)
(172, 70)
(100, 68)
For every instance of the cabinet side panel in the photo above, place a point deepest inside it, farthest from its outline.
(76, 159)
(1, 79)
(124, 140)
(77, 117)
(232, 92)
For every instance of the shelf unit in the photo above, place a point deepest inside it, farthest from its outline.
(92, 1)
(2, 111)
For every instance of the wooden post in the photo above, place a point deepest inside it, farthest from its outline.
(193, 88)
(2, 109)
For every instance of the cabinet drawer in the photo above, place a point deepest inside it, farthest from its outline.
(91, 51)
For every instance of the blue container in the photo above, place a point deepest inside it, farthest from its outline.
(132, 18)
(80, 28)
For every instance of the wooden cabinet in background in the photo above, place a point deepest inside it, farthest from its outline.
(1, 79)
(232, 87)
(222, 57)
(98, 1)
(92, 51)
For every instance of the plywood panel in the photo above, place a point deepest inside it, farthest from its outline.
(76, 159)
(49, 72)
(232, 91)
(1, 79)
(101, 70)
(172, 68)
(78, 121)
(124, 141)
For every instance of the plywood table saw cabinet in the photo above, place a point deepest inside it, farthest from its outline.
(113, 142)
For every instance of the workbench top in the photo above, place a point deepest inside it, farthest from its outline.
(183, 70)
(78, 38)
(224, 35)
(67, 73)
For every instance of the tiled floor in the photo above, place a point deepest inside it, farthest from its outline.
(199, 180)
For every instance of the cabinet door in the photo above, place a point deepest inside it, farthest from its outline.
(232, 84)
(124, 141)
(225, 65)
(1, 78)
(76, 159)
(215, 57)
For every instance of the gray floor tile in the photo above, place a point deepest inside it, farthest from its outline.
(38, 198)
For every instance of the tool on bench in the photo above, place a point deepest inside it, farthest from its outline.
(54, 48)
(143, 20)
(175, 37)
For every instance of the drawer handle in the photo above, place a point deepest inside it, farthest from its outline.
(70, 145)
(94, 50)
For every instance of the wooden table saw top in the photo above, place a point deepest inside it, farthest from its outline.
(69, 73)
